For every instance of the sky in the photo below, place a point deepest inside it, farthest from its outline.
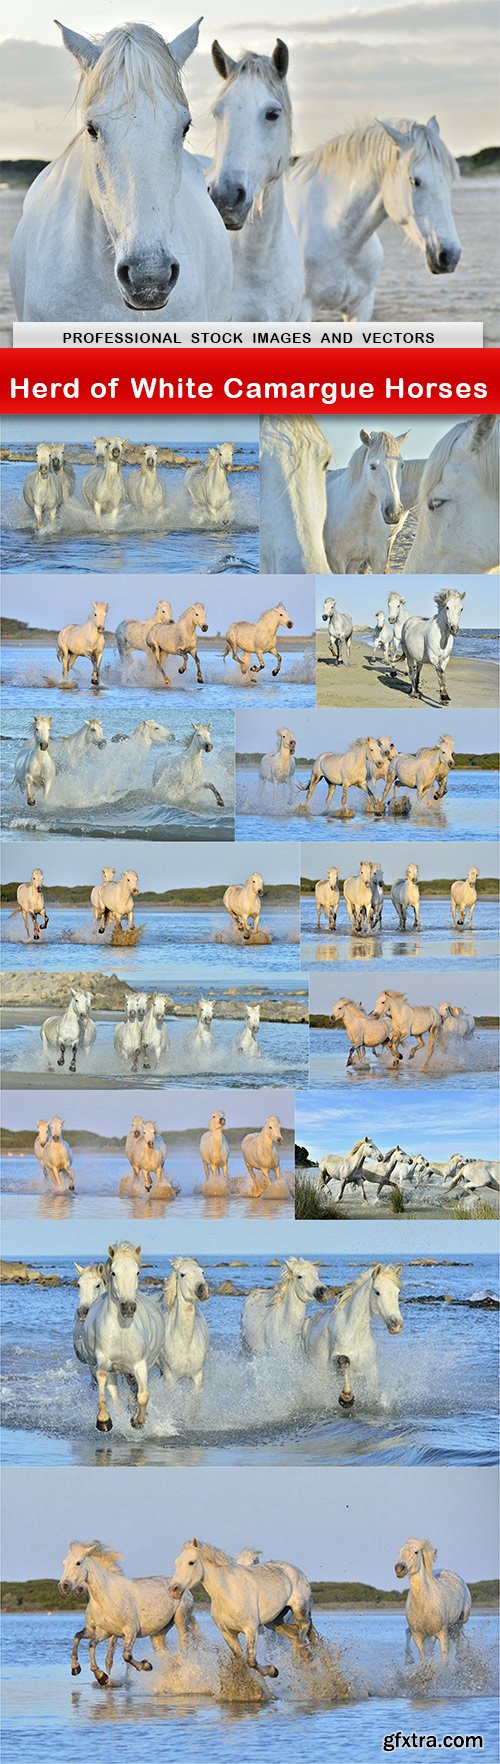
(346, 63)
(166, 431)
(336, 1524)
(111, 1111)
(476, 992)
(452, 859)
(317, 731)
(481, 608)
(424, 431)
(73, 863)
(224, 598)
(327, 1124)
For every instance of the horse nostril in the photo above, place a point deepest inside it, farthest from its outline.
(239, 195)
(174, 273)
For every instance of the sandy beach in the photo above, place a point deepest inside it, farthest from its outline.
(372, 686)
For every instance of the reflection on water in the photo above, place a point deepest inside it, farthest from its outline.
(468, 811)
(99, 1191)
(434, 945)
(45, 1712)
(27, 668)
(477, 1056)
(195, 941)
(284, 1052)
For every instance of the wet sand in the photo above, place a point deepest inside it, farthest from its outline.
(372, 686)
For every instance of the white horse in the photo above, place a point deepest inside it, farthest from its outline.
(207, 484)
(42, 489)
(259, 639)
(359, 768)
(84, 640)
(121, 1610)
(455, 1021)
(339, 195)
(408, 1020)
(357, 892)
(405, 896)
(133, 633)
(60, 466)
(214, 1151)
(127, 1036)
(364, 1029)
(340, 629)
(274, 1316)
(108, 875)
(188, 772)
(155, 1039)
(364, 507)
(116, 900)
(122, 220)
(279, 767)
(103, 487)
(294, 455)
(201, 1037)
(431, 640)
(123, 1333)
(146, 1152)
(346, 1327)
(178, 637)
(144, 488)
(336, 1169)
(71, 750)
(438, 1605)
(327, 897)
(388, 627)
(244, 1600)
(248, 1043)
(187, 1336)
(91, 1284)
(54, 1154)
(244, 903)
(458, 503)
(253, 128)
(34, 768)
(463, 898)
(30, 900)
(261, 1153)
(422, 770)
(73, 1029)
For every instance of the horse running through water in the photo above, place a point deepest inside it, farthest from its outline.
(187, 774)
(359, 768)
(116, 901)
(121, 1610)
(247, 1043)
(346, 1327)
(458, 503)
(72, 1030)
(253, 127)
(31, 904)
(259, 639)
(178, 637)
(133, 633)
(207, 484)
(463, 899)
(187, 1336)
(261, 1153)
(102, 232)
(294, 456)
(34, 767)
(123, 1333)
(339, 195)
(421, 770)
(62, 469)
(244, 903)
(438, 1604)
(144, 489)
(244, 1600)
(54, 1154)
(364, 1029)
(42, 489)
(104, 488)
(327, 896)
(214, 1151)
(408, 1020)
(84, 640)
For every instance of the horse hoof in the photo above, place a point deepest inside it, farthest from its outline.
(137, 1421)
(102, 1678)
(75, 1671)
(146, 1665)
(104, 1426)
(273, 1672)
(346, 1402)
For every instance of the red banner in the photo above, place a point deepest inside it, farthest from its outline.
(254, 382)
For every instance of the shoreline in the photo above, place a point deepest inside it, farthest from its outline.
(368, 686)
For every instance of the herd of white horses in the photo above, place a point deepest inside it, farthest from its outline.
(248, 1597)
(119, 1331)
(162, 637)
(43, 758)
(113, 901)
(146, 1151)
(316, 520)
(141, 1039)
(255, 233)
(365, 1172)
(108, 494)
(361, 766)
(364, 896)
(415, 641)
(393, 1023)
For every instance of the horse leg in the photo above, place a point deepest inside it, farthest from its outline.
(128, 1642)
(443, 694)
(419, 1042)
(62, 1051)
(110, 1653)
(196, 659)
(279, 659)
(330, 795)
(102, 1677)
(430, 1047)
(408, 1642)
(72, 1063)
(443, 1645)
(264, 1671)
(105, 916)
(26, 922)
(81, 1635)
(346, 1397)
(218, 798)
(96, 662)
(30, 793)
(141, 1377)
(104, 1422)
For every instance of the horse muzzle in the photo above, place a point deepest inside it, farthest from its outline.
(233, 201)
(400, 1570)
(204, 627)
(442, 259)
(56, 465)
(202, 1292)
(175, 1589)
(320, 1294)
(128, 1308)
(149, 288)
(391, 515)
(65, 1587)
(82, 1313)
(395, 1328)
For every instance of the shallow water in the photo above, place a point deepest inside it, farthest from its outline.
(46, 1712)
(196, 942)
(32, 668)
(184, 542)
(284, 1050)
(477, 1057)
(436, 945)
(468, 811)
(437, 1402)
(112, 791)
(27, 1195)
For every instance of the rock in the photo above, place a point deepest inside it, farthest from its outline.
(20, 1274)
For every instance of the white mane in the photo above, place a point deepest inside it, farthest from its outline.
(370, 141)
(101, 1553)
(137, 58)
(487, 459)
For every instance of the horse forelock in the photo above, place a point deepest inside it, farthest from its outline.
(486, 457)
(140, 59)
(369, 143)
(261, 67)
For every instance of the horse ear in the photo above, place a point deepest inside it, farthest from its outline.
(137, 1251)
(196, 1543)
(111, 1251)
(400, 136)
(86, 52)
(401, 438)
(433, 125)
(100, 1268)
(223, 64)
(280, 58)
(398, 1269)
(182, 46)
(79, 1270)
(480, 432)
(365, 437)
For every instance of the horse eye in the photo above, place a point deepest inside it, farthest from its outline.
(273, 115)
(416, 182)
(92, 131)
(436, 502)
(186, 129)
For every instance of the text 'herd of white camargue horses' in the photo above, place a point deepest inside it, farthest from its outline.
(256, 233)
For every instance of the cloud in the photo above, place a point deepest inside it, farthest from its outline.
(419, 19)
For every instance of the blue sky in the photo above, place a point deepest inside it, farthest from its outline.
(363, 598)
(167, 431)
(472, 731)
(451, 859)
(343, 432)
(336, 1524)
(225, 598)
(476, 992)
(325, 1124)
(159, 867)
